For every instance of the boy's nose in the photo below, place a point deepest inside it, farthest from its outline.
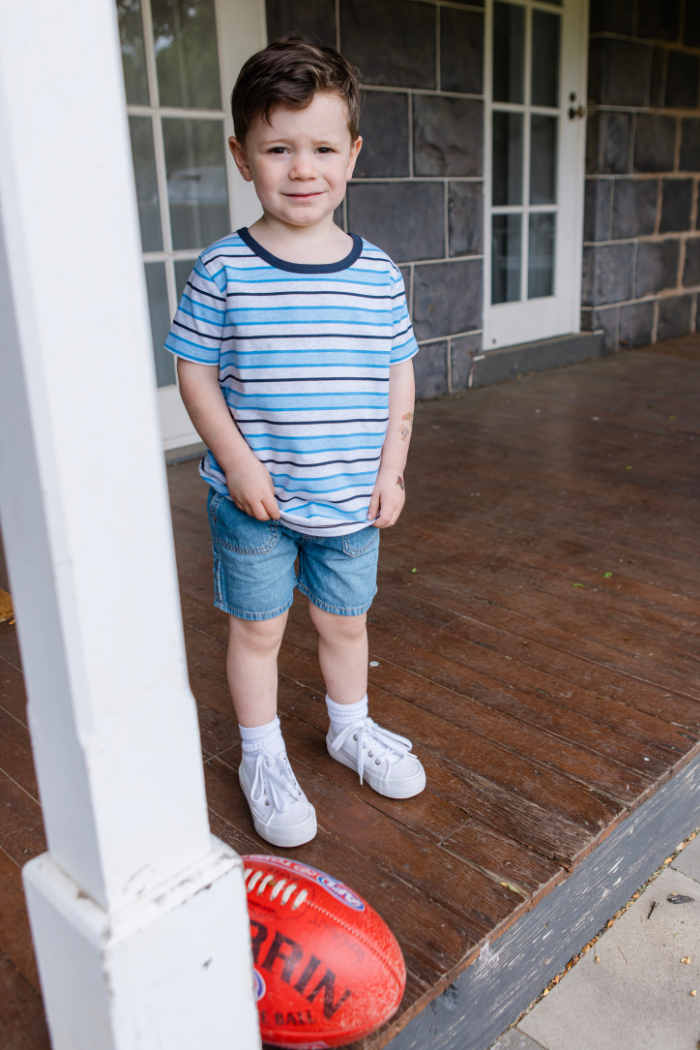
(302, 168)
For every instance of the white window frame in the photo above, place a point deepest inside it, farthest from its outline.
(240, 30)
(528, 320)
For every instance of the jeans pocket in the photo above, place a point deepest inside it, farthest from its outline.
(236, 531)
(360, 542)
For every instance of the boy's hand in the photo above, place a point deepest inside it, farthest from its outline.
(388, 497)
(252, 488)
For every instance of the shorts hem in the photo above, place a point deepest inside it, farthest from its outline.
(240, 614)
(336, 610)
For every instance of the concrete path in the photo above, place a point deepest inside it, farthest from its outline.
(638, 994)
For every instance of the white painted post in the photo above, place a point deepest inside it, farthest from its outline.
(138, 914)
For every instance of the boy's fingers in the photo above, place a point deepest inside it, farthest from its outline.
(271, 507)
(373, 505)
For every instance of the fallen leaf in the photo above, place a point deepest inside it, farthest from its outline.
(679, 898)
(597, 959)
(668, 860)
(607, 575)
(686, 960)
(578, 585)
(694, 992)
(414, 570)
(546, 991)
(628, 468)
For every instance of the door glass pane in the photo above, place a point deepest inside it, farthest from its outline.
(183, 269)
(133, 57)
(508, 52)
(160, 322)
(540, 262)
(197, 191)
(545, 58)
(505, 258)
(143, 154)
(507, 158)
(543, 159)
(187, 58)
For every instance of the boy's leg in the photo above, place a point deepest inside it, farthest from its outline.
(381, 757)
(281, 812)
(343, 654)
(251, 668)
(253, 583)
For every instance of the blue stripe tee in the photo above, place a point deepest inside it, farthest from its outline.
(304, 354)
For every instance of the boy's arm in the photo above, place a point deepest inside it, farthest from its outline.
(389, 493)
(248, 480)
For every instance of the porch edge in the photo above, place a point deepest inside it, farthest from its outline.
(507, 976)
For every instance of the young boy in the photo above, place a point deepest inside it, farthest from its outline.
(294, 355)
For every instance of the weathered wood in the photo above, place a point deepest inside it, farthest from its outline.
(532, 703)
(15, 937)
(512, 970)
(22, 1023)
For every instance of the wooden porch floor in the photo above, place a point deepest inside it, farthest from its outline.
(535, 633)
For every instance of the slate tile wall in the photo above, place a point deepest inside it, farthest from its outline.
(417, 191)
(641, 230)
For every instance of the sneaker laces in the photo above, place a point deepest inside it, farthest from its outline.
(277, 776)
(377, 742)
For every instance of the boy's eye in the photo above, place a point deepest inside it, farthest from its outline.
(277, 149)
(324, 149)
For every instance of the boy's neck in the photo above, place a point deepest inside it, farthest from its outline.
(318, 244)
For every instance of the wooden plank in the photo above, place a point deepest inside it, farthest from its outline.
(626, 713)
(12, 695)
(21, 828)
(22, 1020)
(16, 754)
(15, 936)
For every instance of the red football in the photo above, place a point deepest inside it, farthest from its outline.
(327, 968)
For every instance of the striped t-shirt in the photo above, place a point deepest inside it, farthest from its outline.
(303, 354)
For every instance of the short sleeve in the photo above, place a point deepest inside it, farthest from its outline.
(403, 342)
(197, 329)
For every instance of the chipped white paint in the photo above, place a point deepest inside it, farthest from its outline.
(138, 916)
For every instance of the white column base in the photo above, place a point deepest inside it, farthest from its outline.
(152, 976)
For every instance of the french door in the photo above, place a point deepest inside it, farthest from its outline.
(535, 148)
(180, 60)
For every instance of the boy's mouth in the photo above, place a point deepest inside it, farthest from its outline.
(303, 196)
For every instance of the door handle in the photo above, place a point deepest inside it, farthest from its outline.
(580, 111)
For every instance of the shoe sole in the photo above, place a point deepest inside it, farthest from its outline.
(407, 787)
(286, 837)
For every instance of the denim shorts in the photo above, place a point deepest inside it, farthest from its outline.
(254, 577)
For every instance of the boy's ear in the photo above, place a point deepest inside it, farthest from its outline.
(238, 154)
(354, 152)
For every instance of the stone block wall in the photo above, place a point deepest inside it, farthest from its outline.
(641, 256)
(418, 187)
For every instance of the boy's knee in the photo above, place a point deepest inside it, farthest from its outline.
(345, 628)
(257, 634)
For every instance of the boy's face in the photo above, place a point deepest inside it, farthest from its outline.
(301, 162)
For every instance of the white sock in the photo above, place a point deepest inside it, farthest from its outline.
(342, 715)
(262, 738)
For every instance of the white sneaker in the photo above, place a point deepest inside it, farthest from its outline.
(379, 756)
(282, 814)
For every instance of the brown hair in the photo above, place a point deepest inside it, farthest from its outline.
(288, 73)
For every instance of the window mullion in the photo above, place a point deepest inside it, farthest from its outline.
(526, 155)
(150, 48)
